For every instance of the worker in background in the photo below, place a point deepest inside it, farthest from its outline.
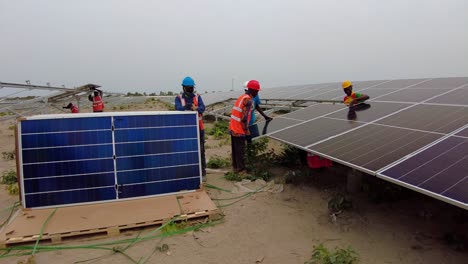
(355, 101)
(239, 125)
(189, 100)
(73, 108)
(255, 106)
(96, 98)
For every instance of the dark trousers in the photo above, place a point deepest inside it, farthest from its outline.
(202, 152)
(238, 152)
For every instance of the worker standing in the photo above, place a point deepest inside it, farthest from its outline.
(96, 98)
(73, 108)
(355, 101)
(255, 106)
(188, 100)
(239, 125)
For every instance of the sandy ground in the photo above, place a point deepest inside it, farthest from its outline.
(284, 227)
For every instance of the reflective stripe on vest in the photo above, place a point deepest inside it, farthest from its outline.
(235, 125)
(98, 105)
(195, 103)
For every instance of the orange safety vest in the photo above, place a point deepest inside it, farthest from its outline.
(195, 103)
(74, 109)
(347, 99)
(98, 104)
(235, 125)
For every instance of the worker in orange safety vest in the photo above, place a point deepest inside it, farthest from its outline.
(73, 108)
(96, 98)
(239, 125)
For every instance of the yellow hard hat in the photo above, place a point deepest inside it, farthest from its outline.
(346, 84)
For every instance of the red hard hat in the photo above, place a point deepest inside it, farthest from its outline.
(253, 84)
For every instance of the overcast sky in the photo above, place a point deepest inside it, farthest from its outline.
(150, 46)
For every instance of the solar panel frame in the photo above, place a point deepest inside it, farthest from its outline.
(58, 186)
(432, 90)
(430, 165)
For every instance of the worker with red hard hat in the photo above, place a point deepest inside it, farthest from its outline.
(253, 128)
(239, 125)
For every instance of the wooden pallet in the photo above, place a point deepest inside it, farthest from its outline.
(106, 219)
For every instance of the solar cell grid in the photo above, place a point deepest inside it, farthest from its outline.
(397, 84)
(458, 97)
(374, 147)
(435, 118)
(446, 83)
(438, 169)
(313, 131)
(377, 110)
(101, 160)
(412, 95)
(314, 111)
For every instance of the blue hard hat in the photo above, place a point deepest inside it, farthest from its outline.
(188, 81)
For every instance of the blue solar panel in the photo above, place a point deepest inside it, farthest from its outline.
(70, 159)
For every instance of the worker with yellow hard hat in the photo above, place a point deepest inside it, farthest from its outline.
(355, 101)
(351, 97)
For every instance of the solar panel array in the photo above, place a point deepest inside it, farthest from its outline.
(84, 158)
(415, 134)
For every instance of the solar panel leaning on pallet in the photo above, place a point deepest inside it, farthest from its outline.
(70, 159)
(415, 134)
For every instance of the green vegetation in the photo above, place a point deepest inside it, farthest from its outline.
(259, 160)
(169, 93)
(174, 227)
(339, 203)
(290, 156)
(150, 100)
(13, 189)
(232, 176)
(9, 177)
(217, 162)
(8, 155)
(12, 127)
(219, 130)
(322, 255)
(5, 113)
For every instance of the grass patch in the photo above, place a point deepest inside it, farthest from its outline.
(217, 162)
(174, 227)
(322, 255)
(290, 156)
(232, 176)
(9, 177)
(13, 189)
(219, 130)
(259, 160)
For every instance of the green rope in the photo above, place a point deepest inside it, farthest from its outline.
(13, 207)
(211, 186)
(42, 231)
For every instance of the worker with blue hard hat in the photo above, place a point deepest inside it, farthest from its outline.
(189, 100)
